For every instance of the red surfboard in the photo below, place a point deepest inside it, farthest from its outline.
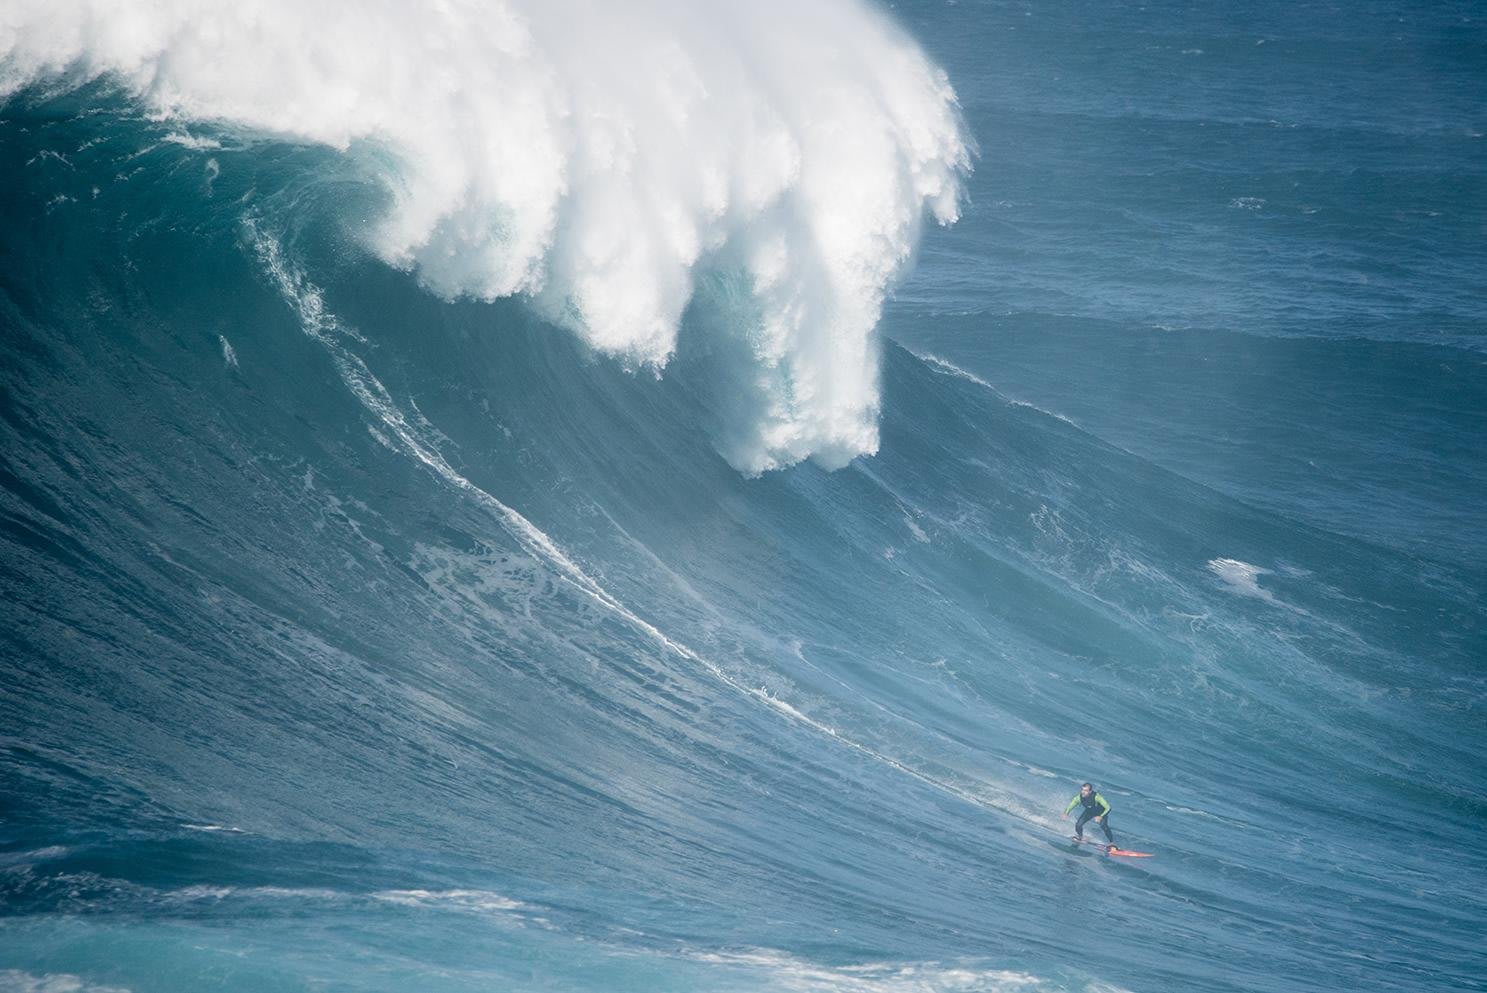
(1123, 853)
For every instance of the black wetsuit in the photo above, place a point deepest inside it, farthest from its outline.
(1094, 805)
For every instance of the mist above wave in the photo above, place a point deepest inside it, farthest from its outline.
(596, 159)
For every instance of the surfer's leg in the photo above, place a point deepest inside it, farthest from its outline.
(1079, 824)
(1104, 823)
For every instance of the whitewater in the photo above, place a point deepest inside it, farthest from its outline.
(595, 160)
(678, 496)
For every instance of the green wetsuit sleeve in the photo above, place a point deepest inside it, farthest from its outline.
(1104, 806)
(1072, 804)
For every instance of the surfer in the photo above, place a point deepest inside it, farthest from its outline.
(1094, 806)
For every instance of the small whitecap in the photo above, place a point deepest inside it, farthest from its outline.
(16, 981)
(788, 971)
(1241, 578)
(479, 901)
(192, 142)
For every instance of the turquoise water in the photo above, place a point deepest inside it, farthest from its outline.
(366, 630)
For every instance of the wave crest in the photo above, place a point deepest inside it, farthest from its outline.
(597, 161)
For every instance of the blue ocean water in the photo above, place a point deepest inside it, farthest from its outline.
(372, 621)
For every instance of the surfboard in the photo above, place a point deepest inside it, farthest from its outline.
(1119, 852)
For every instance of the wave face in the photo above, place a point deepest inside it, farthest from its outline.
(432, 555)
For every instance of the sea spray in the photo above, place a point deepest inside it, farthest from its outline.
(593, 160)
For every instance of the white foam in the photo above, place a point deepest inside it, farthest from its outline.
(193, 142)
(206, 893)
(947, 367)
(593, 158)
(40, 854)
(788, 972)
(15, 981)
(1241, 578)
(478, 901)
(1188, 810)
(916, 530)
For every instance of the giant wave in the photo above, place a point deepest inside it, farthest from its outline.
(598, 160)
(362, 629)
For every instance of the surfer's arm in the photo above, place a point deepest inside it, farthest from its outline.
(1072, 804)
(1104, 804)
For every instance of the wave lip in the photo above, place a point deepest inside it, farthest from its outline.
(593, 160)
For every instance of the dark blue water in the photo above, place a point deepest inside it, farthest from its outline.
(1167, 195)
(360, 638)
